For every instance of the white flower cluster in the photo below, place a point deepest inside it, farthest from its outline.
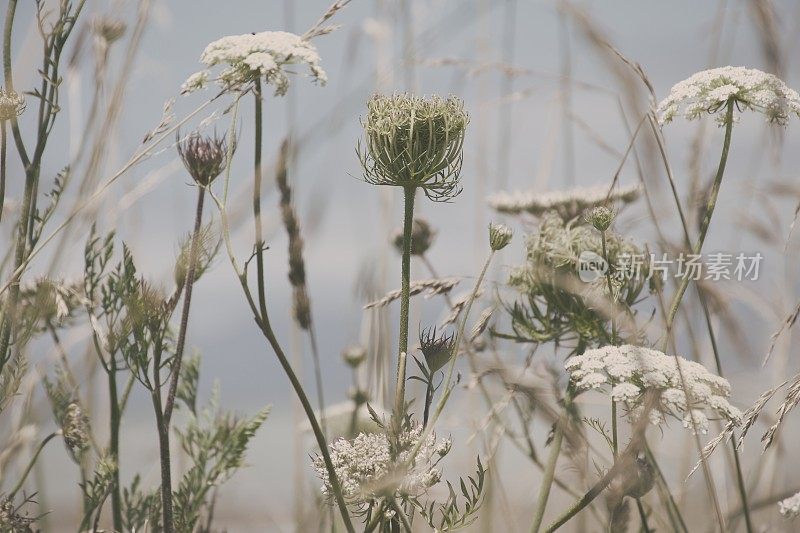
(568, 204)
(256, 55)
(790, 507)
(367, 467)
(708, 92)
(632, 371)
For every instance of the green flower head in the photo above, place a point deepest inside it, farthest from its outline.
(415, 142)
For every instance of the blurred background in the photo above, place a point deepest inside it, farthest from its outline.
(553, 104)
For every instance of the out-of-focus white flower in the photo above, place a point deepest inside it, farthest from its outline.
(252, 56)
(710, 90)
(790, 507)
(631, 371)
(568, 204)
(368, 466)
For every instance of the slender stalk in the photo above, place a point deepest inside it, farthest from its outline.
(260, 310)
(614, 437)
(642, 515)
(3, 142)
(166, 474)
(114, 426)
(408, 220)
(548, 476)
(706, 222)
(33, 460)
(676, 301)
(194, 251)
(259, 250)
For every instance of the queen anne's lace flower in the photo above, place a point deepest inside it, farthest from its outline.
(708, 92)
(631, 371)
(252, 56)
(367, 467)
(790, 507)
(569, 204)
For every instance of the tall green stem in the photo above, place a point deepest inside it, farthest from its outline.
(114, 425)
(548, 476)
(3, 142)
(405, 296)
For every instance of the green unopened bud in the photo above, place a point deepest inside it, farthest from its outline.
(600, 217)
(422, 236)
(354, 355)
(415, 142)
(12, 105)
(499, 236)
(437, 349)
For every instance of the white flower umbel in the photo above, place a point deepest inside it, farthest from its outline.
(367, 468)
(790, 507)
(252, 56)
(708, 92)
(569, 203)
(631, 371)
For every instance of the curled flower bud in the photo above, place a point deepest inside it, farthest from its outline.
(203, 157)
(600, 217)
(415, 142)
(76, 429)
(499, 236)
(354, 355)
(437, 349)
(422, 236)
(12, 105)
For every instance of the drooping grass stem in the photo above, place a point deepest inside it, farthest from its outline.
(32, 462)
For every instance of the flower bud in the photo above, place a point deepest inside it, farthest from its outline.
(354, 355)
(12, 105)
(600, 217)
(436, 349)
(359, 397)
(203, 157)
(499, 236)
(108, 29)
(422, 236)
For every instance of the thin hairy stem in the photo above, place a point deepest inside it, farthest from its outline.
(194, 251)
(408, 221)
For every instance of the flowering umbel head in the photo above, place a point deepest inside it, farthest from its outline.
(414, 141)
(76, 430)
(256, 56)
(710, 91)
(499, 236)
(204, 157)
(12, 105)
